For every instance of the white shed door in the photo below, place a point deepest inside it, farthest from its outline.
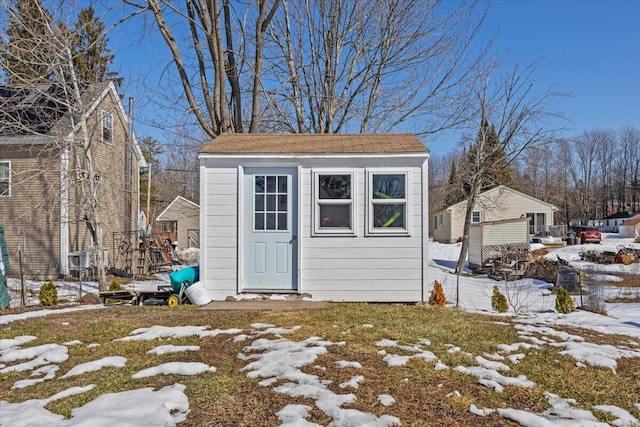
(270, 229)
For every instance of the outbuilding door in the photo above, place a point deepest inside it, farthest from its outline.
(270, 229)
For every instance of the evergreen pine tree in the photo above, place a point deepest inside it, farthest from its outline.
(92, 57)
(151, 150)
(29, 52)
(24, 54)
(489, 151)
(456, 191)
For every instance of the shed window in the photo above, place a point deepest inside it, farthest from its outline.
(387, 203)
(5, 179)
(334, 203)
(476, 217)
(107, 127)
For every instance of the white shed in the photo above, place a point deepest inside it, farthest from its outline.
(338, 217)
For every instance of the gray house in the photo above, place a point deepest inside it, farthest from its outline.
(339, 217)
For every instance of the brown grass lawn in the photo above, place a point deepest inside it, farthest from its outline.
(229, 397)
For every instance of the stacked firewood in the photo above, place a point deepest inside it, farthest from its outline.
(545, 269)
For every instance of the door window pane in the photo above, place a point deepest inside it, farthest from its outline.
(271, 184)
(270, 202)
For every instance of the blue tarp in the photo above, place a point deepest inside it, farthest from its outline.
(5, 298)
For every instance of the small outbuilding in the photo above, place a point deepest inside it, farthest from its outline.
(336, 217)
(182, 220)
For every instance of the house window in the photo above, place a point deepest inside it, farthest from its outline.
(387, 203)
(5, 179)
(334, 203)
(537, 222)
(475, 217)
(107, 127)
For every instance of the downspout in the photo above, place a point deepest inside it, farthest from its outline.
(64, 207)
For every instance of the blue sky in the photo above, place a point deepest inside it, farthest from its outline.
(589, 49)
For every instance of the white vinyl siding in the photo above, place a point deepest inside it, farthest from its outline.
(218, 232)
(5, 179)
(366, 267)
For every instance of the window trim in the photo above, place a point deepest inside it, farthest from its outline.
(391, 231)
(8, 178)
(104, 115)
(333, 231)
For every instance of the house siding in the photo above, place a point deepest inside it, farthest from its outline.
(118, 204)
(494, 205)
(186, 215)
(31, 215)
(337, 268)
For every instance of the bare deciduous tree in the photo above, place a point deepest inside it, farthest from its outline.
(323, 67)
(66, 98)
(513, 103)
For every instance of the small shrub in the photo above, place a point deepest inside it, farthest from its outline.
(115, 285)
(499, 301)
(437, 297)
(48, 294)
(564, 302)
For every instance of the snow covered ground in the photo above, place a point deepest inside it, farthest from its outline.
(271, 356)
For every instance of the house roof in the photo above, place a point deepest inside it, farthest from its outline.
(174, 205)
(260, 143)
(35, 114)
(620, 215)
(633, 220)
(499, 188)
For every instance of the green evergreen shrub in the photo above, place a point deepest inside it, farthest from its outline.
(499, 301)
(115, 285)
(48, 294)
(437, 297)
(564, 302)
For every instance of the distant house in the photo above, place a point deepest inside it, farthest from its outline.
(630, 228)
(40, 203)
(500, 203)
(612, 222)
(181, 219)
(337, 217)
